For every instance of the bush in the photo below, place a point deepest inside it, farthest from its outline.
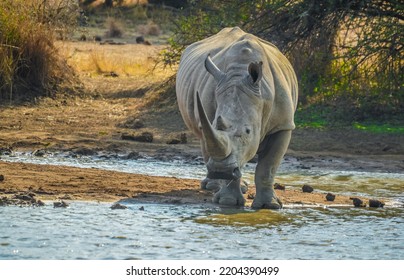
(29, 62)
(114, 28)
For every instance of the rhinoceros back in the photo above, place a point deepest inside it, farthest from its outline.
(192, 77)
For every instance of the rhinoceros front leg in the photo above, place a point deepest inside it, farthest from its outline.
(269, 159)
(230, 194)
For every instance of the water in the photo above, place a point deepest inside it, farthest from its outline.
(87, 230)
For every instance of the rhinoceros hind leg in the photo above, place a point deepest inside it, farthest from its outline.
(230, 195)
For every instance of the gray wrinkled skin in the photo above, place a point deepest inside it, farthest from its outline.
(238, 94)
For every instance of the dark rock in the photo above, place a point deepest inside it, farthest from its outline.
(60, 204)
(40, 203)
(39, 153)
(173, 141)
(375, 203)
(134, 155)
(118, 206)
(85, 151)
(143, 137)
(330, 197)
(180, 139)
(140, 40)
(358, 202)
(278, 186)
(141, 208)
(25, 197)
(83, 37)
(97, 38)
(6, 151)
(1, 178)
(307, 189)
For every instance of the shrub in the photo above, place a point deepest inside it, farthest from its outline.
(29, 62)
(114, 28)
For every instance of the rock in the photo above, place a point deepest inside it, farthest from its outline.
(60, 204)
(39, 153)
(118, 206)
(1, 178)
(143, 137)
(173, 141)
(83, 151)
(97, 38)
(330, 197)
(134, 155)
(278, 186)
(24, 197)
(180, 139)
(83, 37)
(140, 40)
(6, 151)
(307, 189)
(40, 203)
(141, 208)
(376, 203)
(358, 202)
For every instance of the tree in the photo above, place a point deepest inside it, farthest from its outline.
(348, 49)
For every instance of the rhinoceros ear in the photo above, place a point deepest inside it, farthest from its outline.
(255, 71)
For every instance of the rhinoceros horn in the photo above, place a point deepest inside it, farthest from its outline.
(217, 142)
(213, 69)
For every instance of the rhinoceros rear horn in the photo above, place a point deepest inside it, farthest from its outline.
(255, 71)
(213, 69)
(217, 142)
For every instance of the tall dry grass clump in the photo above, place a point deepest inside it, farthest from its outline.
(30, 65)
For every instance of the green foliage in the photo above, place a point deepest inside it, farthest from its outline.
(348, 54)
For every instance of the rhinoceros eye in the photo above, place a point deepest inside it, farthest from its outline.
(247, 130)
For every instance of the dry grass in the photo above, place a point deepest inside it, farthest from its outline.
(129, 60)
(150, 28)
(30, 65)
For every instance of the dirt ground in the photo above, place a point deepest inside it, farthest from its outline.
(118, 102)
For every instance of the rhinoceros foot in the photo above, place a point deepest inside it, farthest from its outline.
(230, 195)
(212, 184)
(217, 184)
(267, 201)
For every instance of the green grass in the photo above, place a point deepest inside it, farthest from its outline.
(322, 117)
(379, 128)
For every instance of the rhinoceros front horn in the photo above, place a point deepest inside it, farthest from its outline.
(217, 142)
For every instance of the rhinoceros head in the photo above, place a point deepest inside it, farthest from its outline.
(234, 135)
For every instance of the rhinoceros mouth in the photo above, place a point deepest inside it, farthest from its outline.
(233, 175)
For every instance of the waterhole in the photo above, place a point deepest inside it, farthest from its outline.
(89, 230)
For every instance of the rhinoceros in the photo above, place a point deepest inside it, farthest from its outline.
(238, 93)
